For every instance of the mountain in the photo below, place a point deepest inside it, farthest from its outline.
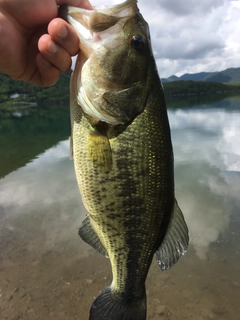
(226, 76)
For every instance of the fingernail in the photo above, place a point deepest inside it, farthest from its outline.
(51, 48)
(62, 32)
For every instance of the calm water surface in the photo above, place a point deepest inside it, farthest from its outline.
(47, 272)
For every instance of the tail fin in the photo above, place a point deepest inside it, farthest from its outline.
(111, 306)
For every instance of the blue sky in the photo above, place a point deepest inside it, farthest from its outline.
(191, 36)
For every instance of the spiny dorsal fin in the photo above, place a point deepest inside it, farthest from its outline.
(88, 234)
(175, 242)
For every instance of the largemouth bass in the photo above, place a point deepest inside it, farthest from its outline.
(123, 158)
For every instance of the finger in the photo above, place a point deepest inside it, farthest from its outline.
(64, 35)
(47, 74)
(55, 54)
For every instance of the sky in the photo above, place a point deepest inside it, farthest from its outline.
(191, 36)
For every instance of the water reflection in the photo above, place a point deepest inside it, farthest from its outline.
(43, 197)
(206, 148)
(41, 210)
(23, 139)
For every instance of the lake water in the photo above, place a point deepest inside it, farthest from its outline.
(47, 272)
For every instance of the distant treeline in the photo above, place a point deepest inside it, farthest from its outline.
(225, 76)
(58, 93)
(179, 88)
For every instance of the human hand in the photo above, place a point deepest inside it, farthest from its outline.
(35, 45)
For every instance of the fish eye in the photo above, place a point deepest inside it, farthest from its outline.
(137, 42)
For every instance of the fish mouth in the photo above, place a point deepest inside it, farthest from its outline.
(101, 32)
(100, 25)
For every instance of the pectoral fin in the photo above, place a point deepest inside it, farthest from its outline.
(99, 151)
(88, 234)
(175, 242)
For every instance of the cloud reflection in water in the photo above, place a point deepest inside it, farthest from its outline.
(206, 148)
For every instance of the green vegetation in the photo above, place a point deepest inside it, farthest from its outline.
(32, 93)
(178, 88)
(235, 84)
(203, 101)
(186, 85)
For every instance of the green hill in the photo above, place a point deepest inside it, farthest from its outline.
(226, 76)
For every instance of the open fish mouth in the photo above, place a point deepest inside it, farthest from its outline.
(101, 25)
(105, 34)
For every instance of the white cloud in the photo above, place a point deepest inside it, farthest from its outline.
(191, 36)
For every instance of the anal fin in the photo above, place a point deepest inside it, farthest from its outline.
(88, 234)
(175, 243)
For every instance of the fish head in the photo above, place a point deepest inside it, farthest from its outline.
(112, 71)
